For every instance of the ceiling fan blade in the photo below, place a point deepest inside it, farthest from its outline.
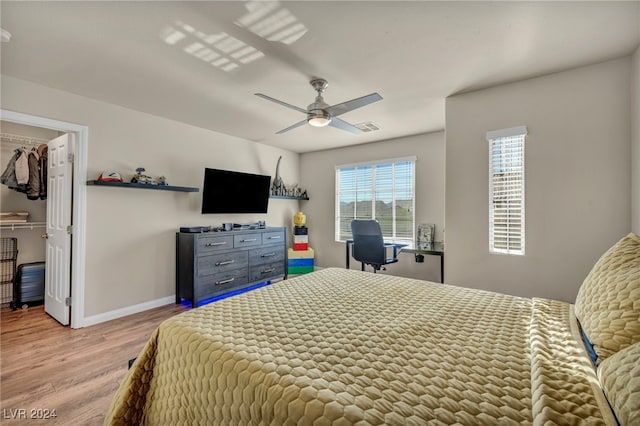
(343, 125)
(293, 126)
(347, 106)
(269, 98)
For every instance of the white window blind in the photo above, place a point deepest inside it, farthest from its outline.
(381, 190)
(506, 190)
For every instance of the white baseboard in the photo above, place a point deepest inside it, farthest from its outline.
(129, 310)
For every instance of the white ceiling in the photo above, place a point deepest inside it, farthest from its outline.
(414, 54)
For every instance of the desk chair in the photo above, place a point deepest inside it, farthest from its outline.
(368, 246)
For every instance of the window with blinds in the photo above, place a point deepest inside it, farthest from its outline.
(506, 190)
(381, 190)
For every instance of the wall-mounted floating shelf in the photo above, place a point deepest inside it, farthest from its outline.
(287, 197)
(143, 186)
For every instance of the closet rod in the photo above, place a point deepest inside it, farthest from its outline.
(21, 140)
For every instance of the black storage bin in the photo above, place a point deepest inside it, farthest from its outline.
(29, 284)
(8, 259)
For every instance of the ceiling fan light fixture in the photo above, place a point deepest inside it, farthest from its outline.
(321, 114)
(319, 118)
(319, 121)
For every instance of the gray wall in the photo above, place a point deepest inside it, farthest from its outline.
(317, 171)
(578, 169)
(130, 234)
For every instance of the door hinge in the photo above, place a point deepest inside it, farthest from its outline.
(69, 229)
(70, 157)
(67, 301)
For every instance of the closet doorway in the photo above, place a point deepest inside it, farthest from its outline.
(63, 227)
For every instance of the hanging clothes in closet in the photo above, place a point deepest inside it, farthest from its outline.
(43, 152)
(24, 172)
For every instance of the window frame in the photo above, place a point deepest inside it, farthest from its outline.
(507, 138)
(394, 237)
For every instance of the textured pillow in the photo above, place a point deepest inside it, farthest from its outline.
(620, 378)
(608, 302)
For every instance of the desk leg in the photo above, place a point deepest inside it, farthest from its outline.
(442, 268)
(346, 245)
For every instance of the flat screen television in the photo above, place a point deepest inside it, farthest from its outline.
(225, 191)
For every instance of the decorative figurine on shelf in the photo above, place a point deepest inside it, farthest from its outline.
(139, 177)
(110, 176)
(162, 181)
(277, 187)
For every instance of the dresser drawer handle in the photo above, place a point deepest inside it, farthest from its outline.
(248, 240)
(275, 237)
(268, 255)
(226, 262)
(215, 244)
(266, 271)
(224, 281)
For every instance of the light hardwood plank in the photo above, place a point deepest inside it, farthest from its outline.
(44, 365)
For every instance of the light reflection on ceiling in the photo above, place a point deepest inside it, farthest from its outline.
(267, 19)
(272, 22)
(220, 49)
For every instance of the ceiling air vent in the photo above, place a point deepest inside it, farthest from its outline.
(367, 126)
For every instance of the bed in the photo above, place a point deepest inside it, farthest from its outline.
(344, 347)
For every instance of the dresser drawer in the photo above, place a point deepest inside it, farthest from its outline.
(266, 272)
(272, 254)
(222, 262)
(247, 240)
(213, 243)
(273, 237)
(221, 283)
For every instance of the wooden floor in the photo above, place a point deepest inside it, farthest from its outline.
(45, 366)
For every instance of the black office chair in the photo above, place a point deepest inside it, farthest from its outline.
(368, 246)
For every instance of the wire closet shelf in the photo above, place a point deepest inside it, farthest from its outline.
(19, 140)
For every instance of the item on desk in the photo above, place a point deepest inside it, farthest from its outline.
(420, 258)
(426, 232)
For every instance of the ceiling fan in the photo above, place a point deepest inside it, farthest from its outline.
(320, 114)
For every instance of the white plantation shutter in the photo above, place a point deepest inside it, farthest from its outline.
(506, 190)
(381, 190)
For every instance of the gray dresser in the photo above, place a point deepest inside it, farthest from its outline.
(212, 263)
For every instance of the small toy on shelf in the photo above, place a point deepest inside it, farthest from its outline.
(279, 189)
(140, 178)
(110, 176)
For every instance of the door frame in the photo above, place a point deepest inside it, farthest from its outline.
(79, 208)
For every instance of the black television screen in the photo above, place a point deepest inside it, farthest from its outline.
(225, 191)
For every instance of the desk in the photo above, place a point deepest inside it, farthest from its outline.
(434, 249)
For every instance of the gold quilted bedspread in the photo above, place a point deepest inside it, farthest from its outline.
(343, 347)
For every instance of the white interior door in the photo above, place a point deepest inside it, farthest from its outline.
(58, 236)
